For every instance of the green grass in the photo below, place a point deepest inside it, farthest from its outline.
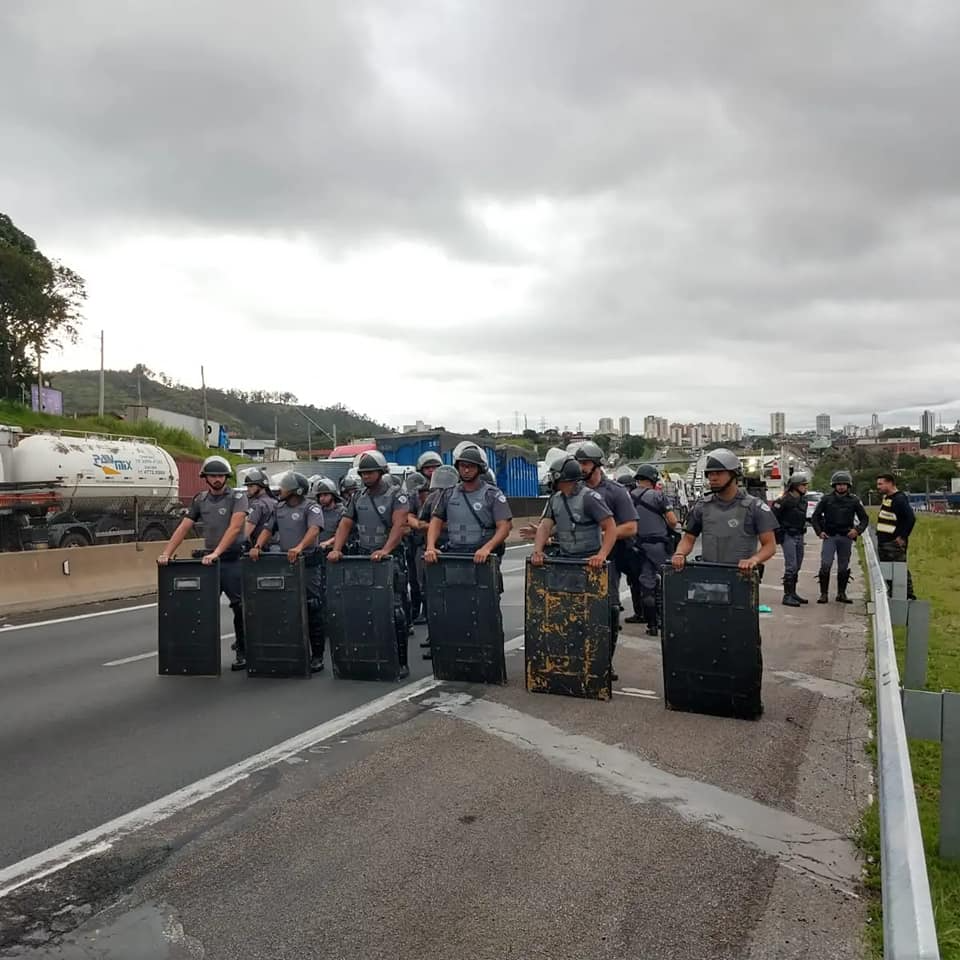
(177, 443)
(934, 548)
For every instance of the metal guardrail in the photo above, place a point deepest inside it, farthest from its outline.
(909, 932)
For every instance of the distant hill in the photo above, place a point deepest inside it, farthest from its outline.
(243, 414)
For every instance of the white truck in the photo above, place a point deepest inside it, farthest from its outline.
(68, 489)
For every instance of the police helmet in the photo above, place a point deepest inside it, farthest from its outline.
(472, 455)
(292, 482)
(490, 477)
(647, 471)
(372, 460)
(722, 459)
(567, 469)
(444, 477)
(797, 479)
(624, 476)
(216, 467)
(429, 459)
(256, 476)
(320, 485)
(349, 481)
(841, 476)
(414, 482)
(588, 450)
(394, 480)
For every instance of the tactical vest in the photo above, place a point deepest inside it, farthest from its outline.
(724, 537)
(577, 535)
(331, 520)
(470, 521)
(374, 519)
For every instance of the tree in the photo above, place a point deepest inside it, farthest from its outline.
(40, 306)
(483, 432)
(531, 435)
(633, 448)
(603, 441)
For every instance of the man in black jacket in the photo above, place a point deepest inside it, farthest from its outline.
(838, 520)
(895, 523)
(791, 513)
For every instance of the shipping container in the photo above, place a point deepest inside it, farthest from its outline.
(191, 483)
(517, 473)
(407, 448)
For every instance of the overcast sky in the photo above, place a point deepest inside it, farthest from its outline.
(452, 211)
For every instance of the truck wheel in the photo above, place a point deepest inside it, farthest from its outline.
(74, 539)
(153, 535)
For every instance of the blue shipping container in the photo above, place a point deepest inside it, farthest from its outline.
(407, 452)
(517, 477)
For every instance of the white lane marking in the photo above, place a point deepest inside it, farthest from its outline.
(152, 653)
(800, 845)
(123, 660)
(79, 616)
(642, 696)
(103, 837)
(639, 691)
(515, 644)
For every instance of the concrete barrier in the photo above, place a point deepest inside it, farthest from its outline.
(48, 579)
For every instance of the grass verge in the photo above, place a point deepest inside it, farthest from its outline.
(934, 549)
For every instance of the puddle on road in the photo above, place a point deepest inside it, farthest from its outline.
(148, 932)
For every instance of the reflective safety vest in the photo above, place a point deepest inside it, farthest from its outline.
(886, 519)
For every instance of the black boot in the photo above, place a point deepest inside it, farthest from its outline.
(824, 587)
(650, 609)
(239, 644)
(796, 596)
(402, 651)
(843, 578)
(789, 598)
(420, 615)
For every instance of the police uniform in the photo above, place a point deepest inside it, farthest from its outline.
(260, 514)
(729, 529)
(290, 525)
(617, 498)
(653, 543)
(215, 512)
(836, 515)
(791, 513)
(471, 516)
(372, 515)
(577, 520)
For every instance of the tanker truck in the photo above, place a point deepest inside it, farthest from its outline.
(68, 489)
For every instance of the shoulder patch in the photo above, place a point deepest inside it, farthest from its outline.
(501, 499)
(315, 510)
(593, 493)
(238, 495)
(765, 506)
(402, 498)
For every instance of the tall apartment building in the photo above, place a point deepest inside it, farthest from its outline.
(606, 425)
(624, 426)
(778, 424)
(928, 422)
(823, 424)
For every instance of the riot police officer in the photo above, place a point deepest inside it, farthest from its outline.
(298, 525)
(579, 519)
(443, 478)
(626, 477)
(223, 512)
(349, 486)
(477, 516)
(838, 520)
(379, 514)
(427, 463)
(791, 513)
(415, 485)
(728, 519)
(325, 492)
(261, 503)
(656, 522)
(590, 457)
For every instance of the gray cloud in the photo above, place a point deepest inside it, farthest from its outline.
(766, 195)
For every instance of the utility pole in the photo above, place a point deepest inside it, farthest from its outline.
(203, 393)
(39, 378)
(317, 425)
(100, 405)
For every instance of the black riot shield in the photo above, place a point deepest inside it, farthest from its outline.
(569, 628)
(275, 617)
(188, 608)
(712, 661)
(466, 629)
(361, 619)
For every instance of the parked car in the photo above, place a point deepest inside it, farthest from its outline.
(813, 498)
